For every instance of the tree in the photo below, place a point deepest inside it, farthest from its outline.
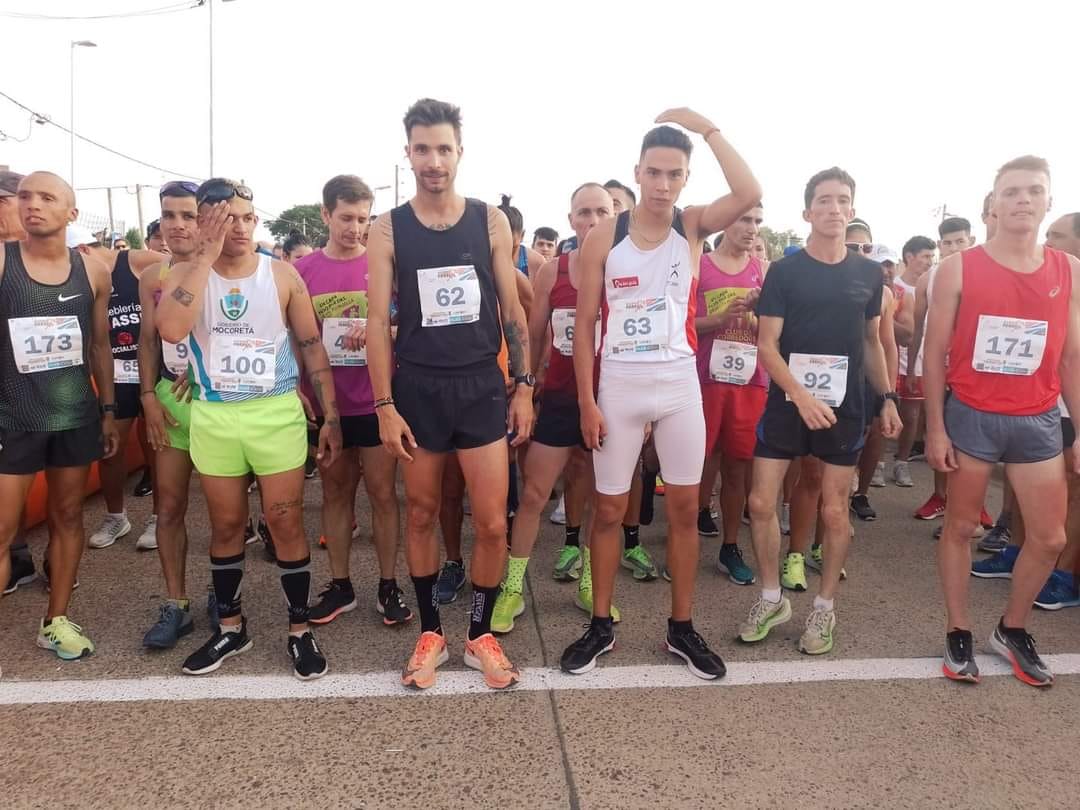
(776, 241)
(304, 218)
(134, 239)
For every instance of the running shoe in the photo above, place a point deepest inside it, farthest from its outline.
(584, 601)
(764, 616)
(878, 479)
(390, 604)
(580, 657)
(568, 564)
(785, 518)
(508, 607)
(113, 527)
(173, 624)
(23, 572)
(918, 451)
(451, 581)
(45, 574)
(985, 520)
(486, 655)
(932, 509)
(860, 505)
(793, 573)
(730, 562)
(309, 468)
(558, 517)
(1059, 592)
(250, 535)
(816, 561)
(659, 486)
(430, 653)
(637, 559)
(706, 526)
(691, 648)
(145, 486)
(995, 540)
(1017, 647)
(901, 474)
(217, 650)
(309, 663)
(959, 663)
(817, 639)
(148, 539)
(64, 638)
(334, 600)
(1000, 566)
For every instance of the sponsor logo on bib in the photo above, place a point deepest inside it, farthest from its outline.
(233, 305)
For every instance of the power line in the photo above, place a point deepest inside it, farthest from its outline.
(150, 12)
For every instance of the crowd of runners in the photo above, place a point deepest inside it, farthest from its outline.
(652, 347)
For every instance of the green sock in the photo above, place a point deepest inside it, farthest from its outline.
(183, 604)
(585, 583)
(515, 574)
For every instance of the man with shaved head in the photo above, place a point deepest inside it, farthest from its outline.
(53, 305)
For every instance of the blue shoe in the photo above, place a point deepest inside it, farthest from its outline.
(451, 581)
(995, 540)
(1059, 592)
(173, 623)
(999, 566)
(730, 562)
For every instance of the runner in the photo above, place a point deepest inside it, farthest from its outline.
(545, 241)
(733, 385)
(558, 428)
(241, 310)
(1005, 315)
(295, 247)
(337, 279)
(526, 260)
(642, 269)
(450, 260)
(623, 196)
(155, 240)
(819, 340)
(53, 303)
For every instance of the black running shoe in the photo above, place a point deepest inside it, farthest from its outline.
(959, 663)
(23, 572)
(692, 649)
(391, 606)
(145, 485)
(45, 574)
(308, 661)
(1017, 647)
(268, 541)
(214, 652)
(580, 657)
(333, 601)
(706, 526)
(309, 468)
(860, 505)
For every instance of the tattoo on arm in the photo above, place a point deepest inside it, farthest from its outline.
(305, 344)
(183, 296)
(328, 407)
(517, 344)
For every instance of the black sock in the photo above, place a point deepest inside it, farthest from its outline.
(648, 491)
(1004, 520)
(428, 602)
(20, 549)
(227, 573)
(483, 604)
(296, 582)
(630, 537)
(512, 495)
(573, 535)
(604, 624)
(679, 628)
(386, 586)
(345, 583)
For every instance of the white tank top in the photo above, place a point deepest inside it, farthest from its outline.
(649, 298)
(239, 345)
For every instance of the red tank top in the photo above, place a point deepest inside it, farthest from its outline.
(560, 372)
(1009, 334)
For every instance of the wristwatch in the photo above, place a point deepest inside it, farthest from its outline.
(525, 379)
(889, 396)
(109, 408)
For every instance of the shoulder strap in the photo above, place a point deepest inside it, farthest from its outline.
(677, 224)
(622, 227)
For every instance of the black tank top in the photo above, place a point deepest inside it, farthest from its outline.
(57, 399)
(462, 348)
(125, 313)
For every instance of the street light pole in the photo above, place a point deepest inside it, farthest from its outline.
(210, 6)
(80, 43)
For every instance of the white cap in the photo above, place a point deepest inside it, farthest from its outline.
(882, 254)
(79, 235)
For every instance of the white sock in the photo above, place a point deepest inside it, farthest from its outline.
(120, 514)
(297, 633)
(822, 604)
(772, 595)
(230, 628)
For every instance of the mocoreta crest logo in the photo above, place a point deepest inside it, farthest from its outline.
(234, 306)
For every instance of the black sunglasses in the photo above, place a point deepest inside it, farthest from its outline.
(221, 190)
(861, 248)
(178, 185)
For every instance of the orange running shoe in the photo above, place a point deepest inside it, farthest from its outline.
(430, 652)
(486, 655)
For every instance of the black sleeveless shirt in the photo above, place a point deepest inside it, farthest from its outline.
(57, 399)
(462, 348)
(125, 312)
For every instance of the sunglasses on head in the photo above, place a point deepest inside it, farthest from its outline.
(215, 191)
(861, 248)
(178, 185)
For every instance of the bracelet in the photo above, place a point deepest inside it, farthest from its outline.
(379, 403)
(148, 392)
(710, 133)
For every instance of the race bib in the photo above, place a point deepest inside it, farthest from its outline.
(125, 372)
(1009, 345)
(635, 326)
(44, 344)
(562, 332)
(823, 375)
(448, 295)
(176, 356)
(333, 338)
(243, 365)
(732, 362)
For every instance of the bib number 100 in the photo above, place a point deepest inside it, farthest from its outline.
(243, 365)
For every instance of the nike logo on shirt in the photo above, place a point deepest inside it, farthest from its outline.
(63, 299)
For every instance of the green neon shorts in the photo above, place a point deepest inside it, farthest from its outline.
(179, 436)
(265, 436)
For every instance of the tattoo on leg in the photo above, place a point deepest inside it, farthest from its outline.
(280, 508)
(517, 342)
(183, 296)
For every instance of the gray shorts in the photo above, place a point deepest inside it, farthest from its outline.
(998, 437)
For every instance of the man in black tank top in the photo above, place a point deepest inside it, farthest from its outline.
(449, 260)
(53, 305)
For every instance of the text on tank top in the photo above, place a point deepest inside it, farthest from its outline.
(46, 331)
(728, 355)
(1009, 334)
(649, 297)
(240, 345)
(448, 317)
(125, 319)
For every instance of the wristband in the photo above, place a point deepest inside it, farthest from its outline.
(379, 403)
(110, 408)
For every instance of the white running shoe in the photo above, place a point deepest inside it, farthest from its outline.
(558, 517)
(879, 475)
(113, 527)
(148, 539)
(902, 474)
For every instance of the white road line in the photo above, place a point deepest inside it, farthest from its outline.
(467, 682)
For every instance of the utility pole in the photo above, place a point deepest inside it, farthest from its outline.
(138, 205)
(397, 186)
(108, 194)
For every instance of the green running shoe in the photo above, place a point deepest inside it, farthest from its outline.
(568, 566)
(817, 639)
(815, 562)
(508, 607)
(584, 601)
(793, 574)
(64, 638)
(637, 559)
(764, 616)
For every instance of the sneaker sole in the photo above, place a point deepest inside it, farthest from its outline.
(823, 651)
(349, 608)
(705, 676)
(775, 621)
(712, 533)
(1058, 605)
(214, 667)
(639, 574)
(412, 683)
(45, 644)
(185, 630)
(798, 587)
(473, 662)
(959, 677)
(934, 516)
(19, 583)
(1018, 671)
(314, 676)
(555, 522)
(573, 574)
(982, 575)
(866, 518)
(111, 541)
(391, 621)
(723, 569)
(591, 665)
(140, 546)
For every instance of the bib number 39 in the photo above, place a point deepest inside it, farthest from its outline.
(448, 295)
(1011, 346)
(731, 362)
(824, 376)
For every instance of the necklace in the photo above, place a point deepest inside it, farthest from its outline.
(643, 235)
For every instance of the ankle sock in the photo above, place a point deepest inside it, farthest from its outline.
(630, 537)
(483, 604)
(573, 536)
(515, 573)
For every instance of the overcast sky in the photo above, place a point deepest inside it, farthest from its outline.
(920, 104)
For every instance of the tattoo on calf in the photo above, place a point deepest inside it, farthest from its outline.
(183, 296)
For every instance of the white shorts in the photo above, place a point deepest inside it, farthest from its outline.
(631, 396)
